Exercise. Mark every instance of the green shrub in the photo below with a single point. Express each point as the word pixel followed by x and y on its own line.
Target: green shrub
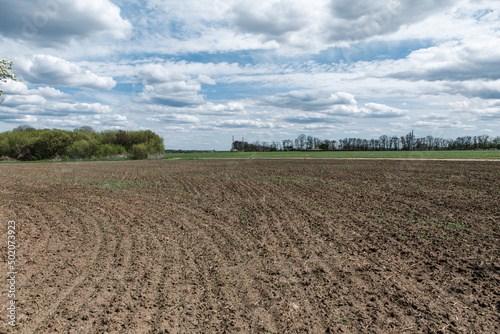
pixel 80 149
pixel 139 151
pixel 51 143
pixel 108 150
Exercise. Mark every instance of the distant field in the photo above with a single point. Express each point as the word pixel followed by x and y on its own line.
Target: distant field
pixel 490 154
pixel 486 154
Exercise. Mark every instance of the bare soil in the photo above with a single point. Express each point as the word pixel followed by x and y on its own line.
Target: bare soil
pixel 254 246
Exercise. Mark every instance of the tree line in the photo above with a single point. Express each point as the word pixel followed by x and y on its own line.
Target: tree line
pixel 384 143
pixel 26 143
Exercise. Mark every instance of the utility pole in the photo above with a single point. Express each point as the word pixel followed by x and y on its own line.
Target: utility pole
pixel 412 141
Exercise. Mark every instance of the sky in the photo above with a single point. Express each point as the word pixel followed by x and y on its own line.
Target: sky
pixel 199 72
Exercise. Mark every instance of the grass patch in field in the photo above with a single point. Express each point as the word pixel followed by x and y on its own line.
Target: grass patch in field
pixel 485 154
pixel 473 154
pixel 445 224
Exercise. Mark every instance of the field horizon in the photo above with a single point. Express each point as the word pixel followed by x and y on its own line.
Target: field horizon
pixel 452 154
pixel 486 155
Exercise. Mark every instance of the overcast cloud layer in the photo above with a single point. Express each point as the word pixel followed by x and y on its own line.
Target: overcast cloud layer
pixel 201 71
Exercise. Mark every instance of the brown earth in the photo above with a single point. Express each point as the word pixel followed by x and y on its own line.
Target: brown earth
pixel 253 246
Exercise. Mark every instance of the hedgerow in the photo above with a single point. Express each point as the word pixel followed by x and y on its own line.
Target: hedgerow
pixel 27 143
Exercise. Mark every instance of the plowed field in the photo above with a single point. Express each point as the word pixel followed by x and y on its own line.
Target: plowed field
pixel 253 246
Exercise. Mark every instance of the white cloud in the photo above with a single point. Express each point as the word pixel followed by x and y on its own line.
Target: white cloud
pixel 15 100
pixel 19 88
pixel 231 108
pixel 243 123
pixel 15 87
pixel 476 88
pixel 381 110
pixel 21 119
pixel 175 94
pixel 205 79
pixel 80 108
pixel 454 61
pixel 272 19
pixel 307 118
pixel 51 93
pixel 50 70
pixel 156 73
pixel 444 125
pixel 175 119
pixel 355 20
pixel 288 26
pixel 309 100
pixel 54 23
pixel 490 113
pixel 168 87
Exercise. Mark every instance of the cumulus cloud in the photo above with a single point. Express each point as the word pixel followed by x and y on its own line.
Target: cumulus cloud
pixel 54 23
pixel 50 70
pixel 476 88
pixel 244 123
pixel 51 93
pixel 307 118
pixel 156 73
pixel 165 87
pixel 381 110
pixel 16 100
pixel 319 106
pixel 273 19
pixel 175 94
pixel 288 26
pixel 444 125
pixel 489 113
pixel 319 24
pixel 175 119
pixel 452 61
pixel 14 87
pixel 20 88
pixel 110 122
pixel 78 108
pixel 10 118
pixel 309 100
pixel 219 109
pixel 355 20
pixel 23 105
